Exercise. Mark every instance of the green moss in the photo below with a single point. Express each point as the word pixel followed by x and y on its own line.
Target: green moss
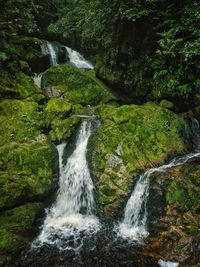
pixel 185 191
pixel 131 138
pixel 63 129
pixel 14 224
pixel 20 86
pixel 166 104
pixel 175 193
pixel 58 105
pixel 77 86
pixel 19 120
pixel 26 171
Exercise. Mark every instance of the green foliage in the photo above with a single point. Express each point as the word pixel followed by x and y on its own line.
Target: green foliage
pixel 16 21
pixel 152 47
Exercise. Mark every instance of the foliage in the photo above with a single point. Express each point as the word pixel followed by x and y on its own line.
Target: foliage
pixel 153 46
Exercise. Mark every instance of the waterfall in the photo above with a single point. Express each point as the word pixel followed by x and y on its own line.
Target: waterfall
pixel 38 79
pixel 168 263
pixel 73 211
pixel 53 54
pixel 134 224
pixel 77 60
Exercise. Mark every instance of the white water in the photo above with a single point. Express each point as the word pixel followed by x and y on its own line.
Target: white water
pixel 38 79
pixel 53 54
pixel 134 224
pixel 168 263
pixel 73 212
pixel 78 60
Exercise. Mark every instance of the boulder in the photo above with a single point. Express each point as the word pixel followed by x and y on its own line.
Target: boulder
pixel 77 86
pixel 176 229
pixel 130 138
pixel 28 163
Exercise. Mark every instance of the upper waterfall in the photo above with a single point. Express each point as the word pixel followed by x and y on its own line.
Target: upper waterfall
pixel 78 60
pixel 73 211
pixel 53 54
pixel 68 55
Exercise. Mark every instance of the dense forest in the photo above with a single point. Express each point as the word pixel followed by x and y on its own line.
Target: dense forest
pixel 147 49
pixel 144 88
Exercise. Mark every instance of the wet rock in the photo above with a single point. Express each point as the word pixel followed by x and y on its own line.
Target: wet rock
pixel 131 138
pixel 176 230
pixel 28 165
pixel 77 86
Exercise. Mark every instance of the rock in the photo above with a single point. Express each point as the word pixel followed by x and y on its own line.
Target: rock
pixel 177 228
pixel 130 138
pixel 15 225
pixel 26 172
pixel 28 163
pixel 62 130
pixel 77 86
pixel 19 86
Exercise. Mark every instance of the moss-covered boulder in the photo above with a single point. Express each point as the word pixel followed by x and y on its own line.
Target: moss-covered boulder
pixel 19 86
pixel 26 155
pixel 28 162
pixel 20 121
pixel 130 139
pixel 26 172
pixel 177 231
pixel 77 86
pixel 15 228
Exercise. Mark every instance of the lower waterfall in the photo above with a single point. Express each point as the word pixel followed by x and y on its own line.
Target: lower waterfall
pixel 134 225
pixel 72 214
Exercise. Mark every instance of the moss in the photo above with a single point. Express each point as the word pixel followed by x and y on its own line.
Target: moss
pixel 185 191
pixel 131 138
pixel 58 105
pixel 21 86
pixel 166 104
pixel 111 76
pixel 26 171
pixel 63 129
pixel 14 224
pixel 77 86
pixel 19 120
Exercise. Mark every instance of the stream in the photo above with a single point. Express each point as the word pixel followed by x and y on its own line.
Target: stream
pixel 72 234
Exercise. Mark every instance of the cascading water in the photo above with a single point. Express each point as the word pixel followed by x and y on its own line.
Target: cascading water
pixel 134 224
pixel 77 60
pixel 53 54
pixel 72 214
pixel 38 79
pixel 168 263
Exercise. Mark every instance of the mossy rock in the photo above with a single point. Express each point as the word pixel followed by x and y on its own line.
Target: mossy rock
pixel 77 86
pixel 166 104
pixel 26 172
pixel 177 228
pixel 56 109
pixel 59 106
pixel 19 86
pixel 15 225
pixel 20 121
pixel 62 130
pixel 131 138
pixel 185 189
